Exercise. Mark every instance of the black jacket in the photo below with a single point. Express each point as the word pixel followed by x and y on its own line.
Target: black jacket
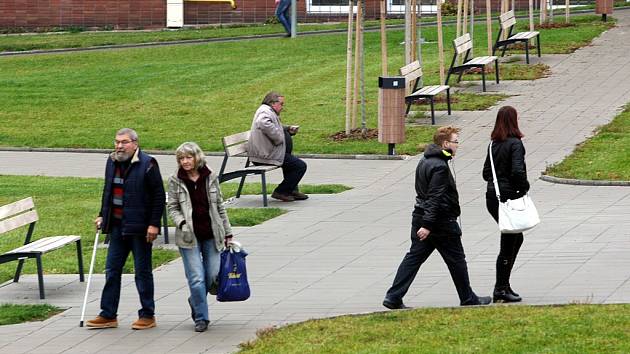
pixel 143 196
pixel 437 200
pixel 509 163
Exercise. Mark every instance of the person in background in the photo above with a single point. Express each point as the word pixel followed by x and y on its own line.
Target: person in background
pixel 195 205
pixel 434 223
pixel 271 143
pixel 282 13
pixel 508 154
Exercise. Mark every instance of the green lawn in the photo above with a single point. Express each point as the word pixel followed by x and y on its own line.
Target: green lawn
pixel 204 92
pixel 494 329
pixel 606 156
pixel 11 314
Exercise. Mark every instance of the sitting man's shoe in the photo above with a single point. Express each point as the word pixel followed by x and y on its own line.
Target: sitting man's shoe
pixel 481 300
pixel 297 195
pixel 505 295
pixel 394 305
pixel 283 197
pixel 144 323
pixel 102 322
pixel 201 326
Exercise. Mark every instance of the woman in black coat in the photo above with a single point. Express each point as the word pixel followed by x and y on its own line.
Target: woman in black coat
pixel 508 154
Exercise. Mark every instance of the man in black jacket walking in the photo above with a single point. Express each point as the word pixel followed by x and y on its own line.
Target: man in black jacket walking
pixel 434 223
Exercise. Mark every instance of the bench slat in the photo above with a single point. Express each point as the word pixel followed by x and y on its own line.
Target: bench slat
pixel 411 71
pixel 524 35
pixel 16 207
pixel 481 60
pixel 507 20
pixel 430 90
pixel 46 244
pixel 18 221
pixel 464 47
pixel 236 149
pixel 260 168
pixel 236 138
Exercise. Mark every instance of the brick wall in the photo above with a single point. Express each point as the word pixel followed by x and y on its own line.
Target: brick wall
pixel 82 13
pixel 152 13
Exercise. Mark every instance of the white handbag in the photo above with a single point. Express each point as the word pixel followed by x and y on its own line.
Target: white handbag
pixel 515 215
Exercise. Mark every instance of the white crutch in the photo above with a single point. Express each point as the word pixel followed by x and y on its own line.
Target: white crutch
pixel 87 287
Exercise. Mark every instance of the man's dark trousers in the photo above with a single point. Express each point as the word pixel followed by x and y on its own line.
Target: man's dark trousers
pixel 450 247
pixel 117 253
pixel 293 169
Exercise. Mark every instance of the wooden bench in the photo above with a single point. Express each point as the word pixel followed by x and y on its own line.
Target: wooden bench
pixel 507 22
pixel 21 213
pixel 236 145
pixel 463 44
pixel 413 71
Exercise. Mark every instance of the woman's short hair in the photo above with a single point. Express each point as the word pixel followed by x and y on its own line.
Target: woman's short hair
pixel 271 98
pixel 506 125
pixel 444 134
pixel 190 148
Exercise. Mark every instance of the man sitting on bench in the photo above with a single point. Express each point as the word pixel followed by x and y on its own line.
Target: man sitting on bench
pixel 271 143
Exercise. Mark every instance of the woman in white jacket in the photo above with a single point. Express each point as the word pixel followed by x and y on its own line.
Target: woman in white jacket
pixel 203 229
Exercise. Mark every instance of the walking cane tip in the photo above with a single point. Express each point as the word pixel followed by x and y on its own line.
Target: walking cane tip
pixel 81 324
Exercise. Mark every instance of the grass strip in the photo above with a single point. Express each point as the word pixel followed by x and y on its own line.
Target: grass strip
pixel 12 313
pixel 494 329
pixel 605 156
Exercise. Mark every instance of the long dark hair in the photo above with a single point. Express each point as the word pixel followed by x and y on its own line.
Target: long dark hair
pixel 506 125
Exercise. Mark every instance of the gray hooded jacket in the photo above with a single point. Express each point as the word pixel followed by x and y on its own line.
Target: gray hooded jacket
pixel 266 143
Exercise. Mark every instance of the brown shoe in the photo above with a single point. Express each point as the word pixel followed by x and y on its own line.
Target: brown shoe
pixel 144 323
pixel 102 322
pixel 283 197
pixel 297 195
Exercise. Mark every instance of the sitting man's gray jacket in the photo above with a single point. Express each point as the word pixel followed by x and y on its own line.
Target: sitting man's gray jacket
pixel 266 140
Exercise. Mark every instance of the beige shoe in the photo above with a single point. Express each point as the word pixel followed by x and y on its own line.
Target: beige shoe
pixel 144 323
pixel 102 322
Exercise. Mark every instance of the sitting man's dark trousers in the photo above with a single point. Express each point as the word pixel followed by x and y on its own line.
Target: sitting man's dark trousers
pixel 449 244
pixel 293 168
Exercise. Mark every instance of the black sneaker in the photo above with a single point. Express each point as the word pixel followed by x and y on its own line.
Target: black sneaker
pixel 201 326
pixel 481 300
pixel 394 305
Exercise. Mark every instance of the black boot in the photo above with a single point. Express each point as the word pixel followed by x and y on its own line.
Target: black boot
pixel 504 295
pixel 509 289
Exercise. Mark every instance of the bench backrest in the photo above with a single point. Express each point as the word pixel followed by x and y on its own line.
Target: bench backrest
pixel 411 71
pixel 507 20
pixel 18 214
pixel 462 44
pixel 236 144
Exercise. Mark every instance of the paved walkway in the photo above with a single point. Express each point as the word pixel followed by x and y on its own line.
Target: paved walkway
pixel 337 254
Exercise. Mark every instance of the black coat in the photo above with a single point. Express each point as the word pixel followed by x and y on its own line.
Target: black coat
pixel 437 200
pixel 143 196
pixel 509 163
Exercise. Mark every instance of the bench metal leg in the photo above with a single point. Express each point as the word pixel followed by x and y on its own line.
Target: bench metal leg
pixel 448 76
pixel 18 271
pixel 408 108
pixel 240 187
pixel 527 52
pixel 483 78
pixel 264 188
pixel 461 72
pixel 165 225
pixel 503 51
pixel 496 70
pixel 538 44
pixel 40 276
pixel 432 111
pixel 448 100
pixel 80 261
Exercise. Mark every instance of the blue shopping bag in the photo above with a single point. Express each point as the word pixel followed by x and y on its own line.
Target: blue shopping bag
pixel 233 285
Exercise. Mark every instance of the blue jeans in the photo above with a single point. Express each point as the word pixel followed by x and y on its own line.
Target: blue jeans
pixel 201 265
pixel 117 253
pixel 282 13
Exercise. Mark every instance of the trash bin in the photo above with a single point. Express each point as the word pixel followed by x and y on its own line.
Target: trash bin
pixel 604 7
pixel 391 111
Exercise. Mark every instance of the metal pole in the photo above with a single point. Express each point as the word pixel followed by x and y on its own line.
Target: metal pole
pixel 293 18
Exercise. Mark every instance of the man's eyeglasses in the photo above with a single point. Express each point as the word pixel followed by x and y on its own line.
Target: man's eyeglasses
pixel 453 141
pixel 123 142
